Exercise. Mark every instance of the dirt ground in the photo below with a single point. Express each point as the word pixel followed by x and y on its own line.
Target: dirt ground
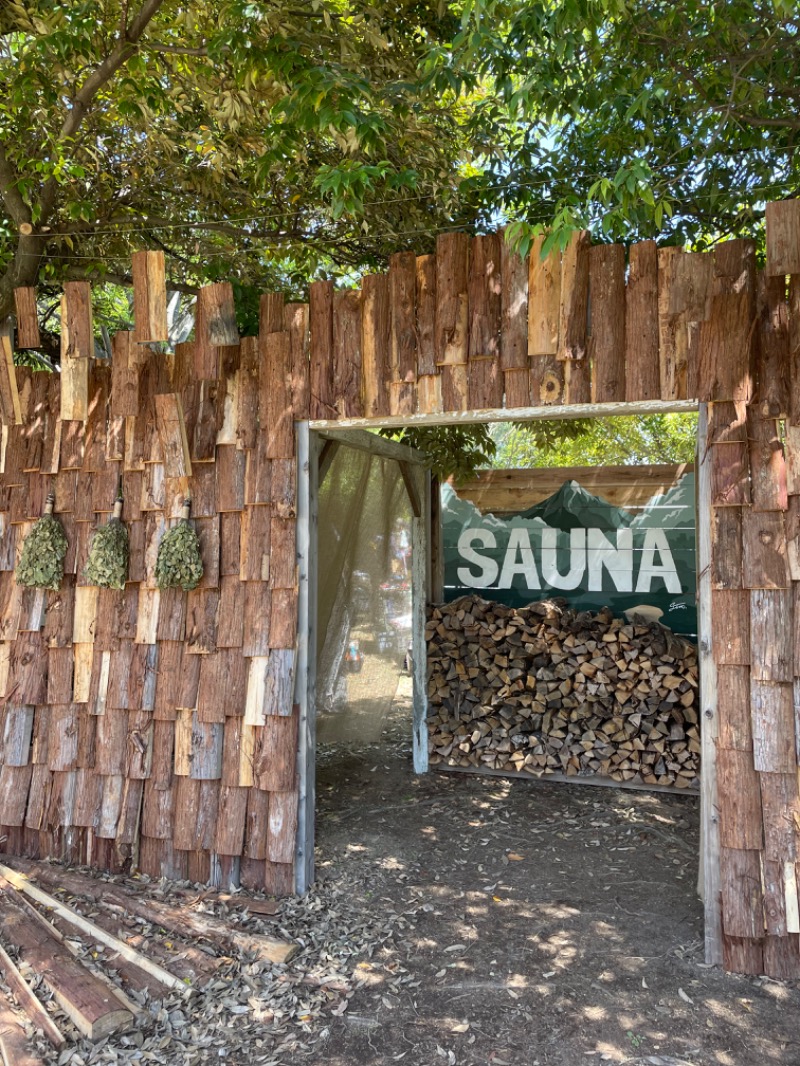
pixel 535 924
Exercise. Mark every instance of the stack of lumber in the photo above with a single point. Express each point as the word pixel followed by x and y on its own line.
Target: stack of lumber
pixel 546 690
pixel 50 947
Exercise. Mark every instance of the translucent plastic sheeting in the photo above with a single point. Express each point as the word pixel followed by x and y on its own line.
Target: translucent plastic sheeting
pixel 364 595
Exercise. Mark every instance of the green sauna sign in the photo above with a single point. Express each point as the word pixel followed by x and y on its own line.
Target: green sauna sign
pixel 580 547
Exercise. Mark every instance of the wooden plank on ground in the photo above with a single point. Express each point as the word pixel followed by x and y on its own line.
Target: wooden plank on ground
pixel 88 1001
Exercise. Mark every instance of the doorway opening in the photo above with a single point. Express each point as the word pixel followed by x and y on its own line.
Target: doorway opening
pixel 428 563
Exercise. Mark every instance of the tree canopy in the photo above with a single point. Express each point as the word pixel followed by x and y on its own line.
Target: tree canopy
pixel 254 139
pixel 637 118
pixel 621 440
pixel 267 141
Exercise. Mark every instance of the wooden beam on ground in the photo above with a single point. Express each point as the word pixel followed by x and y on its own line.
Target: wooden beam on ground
pixel 28 1001
pixel 22 884
pixel 91 1006
pixel 175 918
pixel 14 1047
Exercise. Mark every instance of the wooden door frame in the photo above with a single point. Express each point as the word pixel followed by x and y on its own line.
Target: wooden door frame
pixel 311 449
pixel 311 440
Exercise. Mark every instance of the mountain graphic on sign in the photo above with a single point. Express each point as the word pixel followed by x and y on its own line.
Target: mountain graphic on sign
pixel 673 509
pixel 573 507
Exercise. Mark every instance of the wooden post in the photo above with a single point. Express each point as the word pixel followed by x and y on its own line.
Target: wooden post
pixel 709 873
pixel 419 661
pixel 309 447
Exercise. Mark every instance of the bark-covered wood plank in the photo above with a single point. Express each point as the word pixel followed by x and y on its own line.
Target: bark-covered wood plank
pixel 321 349
pixel 607 344
pixel 149 297
pixel 376 334
pixel 402 286
pixel 426 314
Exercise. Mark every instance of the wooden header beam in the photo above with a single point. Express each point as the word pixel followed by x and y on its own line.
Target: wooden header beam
pixel 517 414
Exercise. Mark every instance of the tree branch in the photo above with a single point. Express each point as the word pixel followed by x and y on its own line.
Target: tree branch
pixel 123 280
pixel 175 50
pixel 12 197
pixel 126 47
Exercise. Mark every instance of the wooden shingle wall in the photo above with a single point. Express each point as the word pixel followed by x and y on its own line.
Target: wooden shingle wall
pixel 158 725
pixel 164 721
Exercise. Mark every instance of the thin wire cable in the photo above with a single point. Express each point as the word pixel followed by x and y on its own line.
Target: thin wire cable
pixel 145 227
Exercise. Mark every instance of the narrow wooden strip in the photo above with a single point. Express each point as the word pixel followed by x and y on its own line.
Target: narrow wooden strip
pixel 484 296
pixel 28 1001
pixel 375 344
pixel 452 323
pixel 642 373
pixel 86 999
pixel 149 297
pixel 402 286
pixel 321 349
pixel 783 238
pixel 426 314
pixel 607 343
pixel 347 353
pixel 28 335
pixel 574 298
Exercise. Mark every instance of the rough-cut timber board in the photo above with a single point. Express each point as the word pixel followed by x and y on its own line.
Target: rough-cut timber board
pixel 89 1003
pixel 594 780
pixel 14 1049
pixel 517 414
pixel 515 490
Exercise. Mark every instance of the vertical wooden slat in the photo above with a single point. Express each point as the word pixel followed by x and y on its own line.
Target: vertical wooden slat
pixel 77 345
pixel 642 372
pixel 607 343
pixel 574 302
pixel 772 360
pixel 452 321
pixel 321 349
pixel 725 349
pixel 402 285
pixel 376 325
pixel 544 301
pixel 347 354
pixel 27 317
pixel 514 309
pixel 149 297
pixel 296 324
pixel 783 238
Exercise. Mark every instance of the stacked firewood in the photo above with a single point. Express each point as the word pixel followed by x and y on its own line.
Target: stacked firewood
pixel 543 689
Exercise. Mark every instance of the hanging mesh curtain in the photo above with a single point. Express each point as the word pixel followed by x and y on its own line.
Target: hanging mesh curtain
pixel 364 595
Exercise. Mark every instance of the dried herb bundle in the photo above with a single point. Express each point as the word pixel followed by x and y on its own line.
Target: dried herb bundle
pixel 109 552
pixel 41 564
pixel 179 565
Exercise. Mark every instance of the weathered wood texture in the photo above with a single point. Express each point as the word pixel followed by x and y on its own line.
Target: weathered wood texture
pixel 121 711
pixel 114 725
pixel 632 487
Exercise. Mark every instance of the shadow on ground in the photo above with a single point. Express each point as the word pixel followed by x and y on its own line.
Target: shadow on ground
pixel 533 924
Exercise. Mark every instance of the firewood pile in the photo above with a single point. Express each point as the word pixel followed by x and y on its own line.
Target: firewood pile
pixel 545 690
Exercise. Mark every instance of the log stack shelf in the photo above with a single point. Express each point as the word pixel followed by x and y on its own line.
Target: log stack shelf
pixel 544 691
pixel 174 727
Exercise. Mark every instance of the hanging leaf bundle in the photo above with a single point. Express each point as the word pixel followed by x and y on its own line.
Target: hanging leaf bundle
pixel 109 552
pixel 41 563
pixel 179 565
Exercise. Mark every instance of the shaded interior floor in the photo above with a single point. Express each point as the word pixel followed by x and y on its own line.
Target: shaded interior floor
pixel 531 923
